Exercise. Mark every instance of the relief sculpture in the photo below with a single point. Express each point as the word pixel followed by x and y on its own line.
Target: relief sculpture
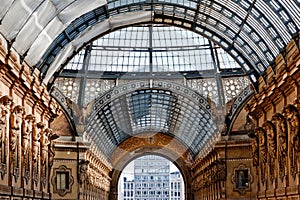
pixel 291 114
pixel 272 148
pixel 38 128
pixel 83 168
pixel 27 131
pixel 15 134
pixel 5 103
pixel 255 151
pixel 52 136
pixel 281 123
pixel 263 152
pixel 44 141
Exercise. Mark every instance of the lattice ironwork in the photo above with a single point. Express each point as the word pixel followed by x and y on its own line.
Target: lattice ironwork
pixel 206 87
pixel 69 87
pixel 153 49
pixel 253 32
pixel 247 29
pixel 234 86
pixel 97 87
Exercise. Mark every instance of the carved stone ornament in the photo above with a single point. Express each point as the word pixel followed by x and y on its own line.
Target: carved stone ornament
pixel 279 120
pixel 221 170
pixel 293 118
pixel 272 147
pixel 5 103
pixel 27 128
pixel 62 180
pixel 44 141
pixel 52 136
pixel 241 179
pixel 260 132
pixel 82 171
pixel 255 146
pixel 15 134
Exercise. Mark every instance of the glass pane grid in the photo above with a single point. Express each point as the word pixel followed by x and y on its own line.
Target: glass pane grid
pixel 156 49
pixel 226 61
pixel 77 62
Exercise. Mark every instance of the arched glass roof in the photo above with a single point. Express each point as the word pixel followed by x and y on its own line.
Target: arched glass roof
pixel 179 112
pixel 154 49
pixel 152 52
pixel 152 79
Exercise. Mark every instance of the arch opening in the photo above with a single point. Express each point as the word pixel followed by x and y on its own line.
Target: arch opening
pixel 151 177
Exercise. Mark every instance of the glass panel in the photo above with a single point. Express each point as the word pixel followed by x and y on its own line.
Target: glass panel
pixel 34 26
pixel 4 6
pixel 16 17
pixel 155 49
pixel 62 180
pixel 78 8
pixel 77 62
pixel 60 5
pixel 276 20
pixel 43 41
pixel 293 9
pixel 242 179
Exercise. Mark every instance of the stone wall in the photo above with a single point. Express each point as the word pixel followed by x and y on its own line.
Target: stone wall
pixel 86 173
pixel 26 140
pixel 217 176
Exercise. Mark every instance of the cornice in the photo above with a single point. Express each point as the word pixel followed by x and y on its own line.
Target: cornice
pixel 99 163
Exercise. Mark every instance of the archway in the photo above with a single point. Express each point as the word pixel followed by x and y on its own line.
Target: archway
pixel 151 177
pixel 161 145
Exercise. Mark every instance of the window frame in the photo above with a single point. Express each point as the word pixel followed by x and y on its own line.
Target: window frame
pixel 69 180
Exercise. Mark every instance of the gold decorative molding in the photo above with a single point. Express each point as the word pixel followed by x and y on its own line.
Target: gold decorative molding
pixel 146 143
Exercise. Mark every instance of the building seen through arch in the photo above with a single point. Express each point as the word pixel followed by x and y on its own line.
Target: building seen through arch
pixel 87 86
pixel 151 177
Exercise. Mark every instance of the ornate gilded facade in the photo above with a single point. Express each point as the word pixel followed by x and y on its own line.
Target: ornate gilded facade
pixel 275 140
pixel 26 136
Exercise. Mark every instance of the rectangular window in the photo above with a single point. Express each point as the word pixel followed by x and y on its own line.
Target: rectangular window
pixel 62 179
pixel 242 179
